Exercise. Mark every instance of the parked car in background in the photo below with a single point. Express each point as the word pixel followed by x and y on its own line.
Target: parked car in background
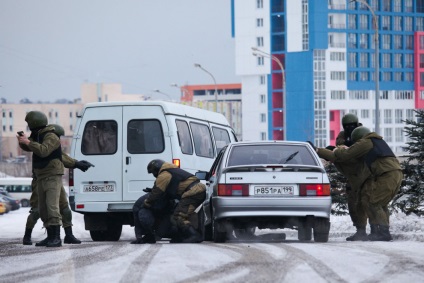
pixel 14 203
pixel 5 203
pixel 18 188
pixel 267 184
pixel 2 208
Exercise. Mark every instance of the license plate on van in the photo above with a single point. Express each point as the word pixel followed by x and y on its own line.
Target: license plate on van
pixel 99 188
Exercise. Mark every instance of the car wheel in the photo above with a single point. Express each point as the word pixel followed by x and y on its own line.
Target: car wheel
pixel 208 232
pixel 244 233
pixel 24 203
pixel 304 230
pixel 201 223
pixel 321 229
pixel 218 231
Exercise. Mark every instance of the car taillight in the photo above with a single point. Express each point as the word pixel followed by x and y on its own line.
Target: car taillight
pixel 176 162
pixel 233 190
pixel 71 177
pixel 314 190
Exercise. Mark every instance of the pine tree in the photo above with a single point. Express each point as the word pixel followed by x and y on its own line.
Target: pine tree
pixel 338 190
pixel 410 198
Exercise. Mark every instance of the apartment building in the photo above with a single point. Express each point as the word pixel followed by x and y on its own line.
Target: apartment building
pixel 316 60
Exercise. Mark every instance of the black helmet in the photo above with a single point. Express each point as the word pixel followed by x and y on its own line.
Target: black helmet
pixel 36 119
pixel 154 166
pixel 359 133
pixel 58 130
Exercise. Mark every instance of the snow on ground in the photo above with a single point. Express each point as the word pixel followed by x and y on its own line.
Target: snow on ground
pixel 411 228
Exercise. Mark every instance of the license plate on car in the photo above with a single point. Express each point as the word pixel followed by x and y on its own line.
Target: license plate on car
pixel 99 188
pixel 274 190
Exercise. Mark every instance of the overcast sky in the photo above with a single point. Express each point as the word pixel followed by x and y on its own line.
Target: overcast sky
pixel 48 48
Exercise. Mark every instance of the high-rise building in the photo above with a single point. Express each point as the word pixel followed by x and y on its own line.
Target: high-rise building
pixel 327 50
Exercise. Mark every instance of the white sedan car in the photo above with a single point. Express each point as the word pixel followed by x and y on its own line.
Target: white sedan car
pixel 267 185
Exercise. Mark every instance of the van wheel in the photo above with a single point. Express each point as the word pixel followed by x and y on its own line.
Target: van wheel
pixel 24 203
pixel 113 233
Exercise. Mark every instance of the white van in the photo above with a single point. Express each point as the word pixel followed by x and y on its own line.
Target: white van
pixel 120 139
pixel 18 188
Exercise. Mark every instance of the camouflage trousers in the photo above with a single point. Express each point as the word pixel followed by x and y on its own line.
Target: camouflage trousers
pixel 377 193
pixel 34 213
pixel 357 212
pixel 48 190
pixel 184 214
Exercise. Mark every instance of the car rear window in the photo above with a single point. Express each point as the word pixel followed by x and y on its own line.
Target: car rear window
pixel 271 154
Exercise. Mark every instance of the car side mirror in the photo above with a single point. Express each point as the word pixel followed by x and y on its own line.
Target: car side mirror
pixel 201 175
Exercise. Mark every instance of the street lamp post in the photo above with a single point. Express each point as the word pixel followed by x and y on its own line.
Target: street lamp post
pixel 377 63
pixel 214 81
pixel 167 95
pixel 257 52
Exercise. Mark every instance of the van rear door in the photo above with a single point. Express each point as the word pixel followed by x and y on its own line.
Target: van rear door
pixel 145 137
pixel 98 142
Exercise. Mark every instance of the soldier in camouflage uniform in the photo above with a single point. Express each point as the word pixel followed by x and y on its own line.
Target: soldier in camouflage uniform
pixel 65 211
pixel 383 183
pixel 174 183
pixel 48 169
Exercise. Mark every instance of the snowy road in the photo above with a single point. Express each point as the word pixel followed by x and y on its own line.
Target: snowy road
pixel 268 261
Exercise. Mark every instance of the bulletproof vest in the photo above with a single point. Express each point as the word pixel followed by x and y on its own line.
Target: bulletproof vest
pixel 178 175
pixel 348 140
pixel 39 162
pixel 379 149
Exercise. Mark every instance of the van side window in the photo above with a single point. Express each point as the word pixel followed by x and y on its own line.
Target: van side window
pixel 184 137
pixel 222 138
pixel 145 136
pixel 99 137
pixel 202 140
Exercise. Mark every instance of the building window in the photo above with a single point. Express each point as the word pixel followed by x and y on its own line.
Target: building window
pixel 387 76
pixel 397 76
pixel 388 135
pixel 263 136
pixel 363 41
pixel 410 114
pixel 398 116
pixel 408 5
pixel 397 23
pixel 409 76
pixel 409 61
pixel 352 60
pixel 397 41
pixel 338 76
pixel 259 4
pixel 385 23
pixel 421 38
pixel 365 113
pixel 363 60
pixel 386 60
pixel 408 23
pixel 419 23
pixel 352 40
pixel 338 94
pixel 397 5
pixel 260 41
pixel 262 80
pixel 351 21
pixel 337 56
pixel 352 76
pixel 259 22
pixel 409 42
pixel 386 6
pixel 399 134
pixel 403 95
pixel 262 98
pixel 387 116
pixel 363 22
pixel 260 60
pixel 70 114
pixel 263 117
pixel 363 76
pixel 385 41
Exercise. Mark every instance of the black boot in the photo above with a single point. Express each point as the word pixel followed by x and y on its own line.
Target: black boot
pixel 54 240
pixel 384 234
pixel 146 239
pixel 191 235
pixel 43 243
pixel 360 235
pixel 374 235
pixel 69 236
pixel 27 237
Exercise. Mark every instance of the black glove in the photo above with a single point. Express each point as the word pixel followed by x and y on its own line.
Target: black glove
pixel 313 146
pixel 147 190
pixel 83 165
pixel 330 147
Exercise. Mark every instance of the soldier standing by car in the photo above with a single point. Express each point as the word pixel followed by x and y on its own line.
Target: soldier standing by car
pixel 65 211
pixel 174 183
pixel 350 170
pixel 48 169
pixel 384 182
